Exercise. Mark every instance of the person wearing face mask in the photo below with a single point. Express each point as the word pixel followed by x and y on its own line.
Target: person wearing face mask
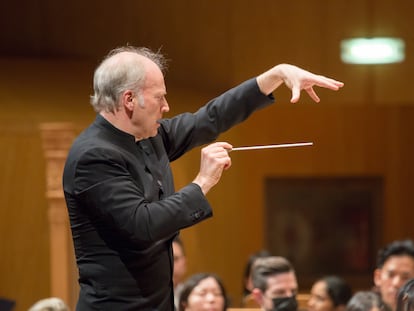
pixel 330 293
pixel 274 284
pixel 203 292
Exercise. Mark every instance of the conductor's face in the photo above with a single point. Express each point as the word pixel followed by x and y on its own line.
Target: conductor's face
pixel 151 103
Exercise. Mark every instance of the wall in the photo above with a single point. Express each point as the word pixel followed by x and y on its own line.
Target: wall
pixel 365 129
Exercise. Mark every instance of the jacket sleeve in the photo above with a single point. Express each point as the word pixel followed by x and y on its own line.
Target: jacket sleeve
pixel 189 130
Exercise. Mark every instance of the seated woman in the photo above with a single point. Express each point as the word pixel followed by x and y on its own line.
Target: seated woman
pixel 203 291
pixel 330 293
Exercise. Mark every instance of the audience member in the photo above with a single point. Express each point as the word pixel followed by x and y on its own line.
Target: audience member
pixel 49 304
pixel 247 299
pixel 203 291
pixel 274 284
pixel 365 301
pixel 395 265
pixel 180 267
pixel 330 293
pixel 405 298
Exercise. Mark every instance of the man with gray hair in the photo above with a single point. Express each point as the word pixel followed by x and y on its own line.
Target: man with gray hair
pixel 123 209
pixel 275 284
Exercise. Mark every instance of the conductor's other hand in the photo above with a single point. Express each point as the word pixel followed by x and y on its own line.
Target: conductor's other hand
pixel 296 79
pixel 214 159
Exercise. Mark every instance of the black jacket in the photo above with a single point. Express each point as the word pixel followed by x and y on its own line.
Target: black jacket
pixel 124 210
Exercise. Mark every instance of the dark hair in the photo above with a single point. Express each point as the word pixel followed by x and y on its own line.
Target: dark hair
pixel 395 248
pixel 193 281
pixel 268 266
pixel 364 301
pixel 405 298
pixel 337 289
pixel 248 268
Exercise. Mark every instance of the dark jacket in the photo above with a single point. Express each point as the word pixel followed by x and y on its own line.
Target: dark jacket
pixel 124 210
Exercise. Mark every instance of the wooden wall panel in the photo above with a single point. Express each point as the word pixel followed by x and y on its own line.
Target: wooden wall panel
pixel 56 141
pixel 24 248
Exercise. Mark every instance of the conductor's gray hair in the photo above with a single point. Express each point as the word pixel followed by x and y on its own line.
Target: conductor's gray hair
pixel 115 75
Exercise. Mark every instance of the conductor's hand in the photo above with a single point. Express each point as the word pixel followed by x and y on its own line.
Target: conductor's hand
pixel 296 79
pixel 214 159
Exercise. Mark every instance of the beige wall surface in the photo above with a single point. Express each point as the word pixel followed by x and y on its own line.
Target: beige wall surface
pixel 48 54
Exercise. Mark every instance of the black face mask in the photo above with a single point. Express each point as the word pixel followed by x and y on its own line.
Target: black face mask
pixel 285 304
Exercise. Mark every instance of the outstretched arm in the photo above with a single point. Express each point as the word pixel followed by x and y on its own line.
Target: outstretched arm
pixel 215 157
pixel 295 79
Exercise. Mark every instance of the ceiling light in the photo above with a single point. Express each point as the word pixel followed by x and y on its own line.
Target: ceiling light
pixel 381 50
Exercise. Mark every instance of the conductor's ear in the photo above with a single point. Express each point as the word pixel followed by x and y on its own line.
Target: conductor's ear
pixel 131 102
pixel 129 99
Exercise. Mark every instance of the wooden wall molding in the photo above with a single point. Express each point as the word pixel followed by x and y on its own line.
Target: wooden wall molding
pixel 56 141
